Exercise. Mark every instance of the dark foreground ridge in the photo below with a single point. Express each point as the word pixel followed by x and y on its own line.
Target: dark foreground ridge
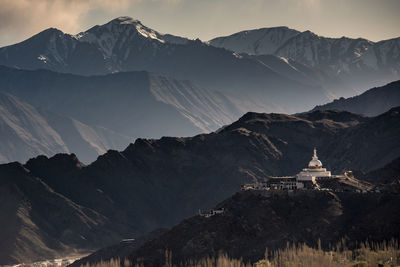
pixel 157 183
pixel 255 220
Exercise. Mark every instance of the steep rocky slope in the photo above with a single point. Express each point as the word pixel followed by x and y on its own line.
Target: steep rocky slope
pixel 156 183
pixel 198 237
pixel 255 221
pixel 38 223
pixel 387 175
pixel 138 104
pixel 24 132
pixel 370 103
pixel 27 132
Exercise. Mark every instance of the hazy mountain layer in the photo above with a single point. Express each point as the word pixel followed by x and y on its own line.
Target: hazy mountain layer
pixel 137 104
pixel 356 63
pixel 24 132
pixel 371 103
pixel 156 183
pixel 125 44
pixel 27 132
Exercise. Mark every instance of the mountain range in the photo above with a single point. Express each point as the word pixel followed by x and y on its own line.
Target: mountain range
pixel 355 63
pixel 272 64
pixel 124 44
pixel 128 130
pixel 156 183
pixel 73 113
pixel 141 83
pixel 133 103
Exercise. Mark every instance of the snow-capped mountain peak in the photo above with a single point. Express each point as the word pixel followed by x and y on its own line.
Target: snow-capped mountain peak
pixel 123 31
pixel 255 42
pixel 124 22
pixel 117 31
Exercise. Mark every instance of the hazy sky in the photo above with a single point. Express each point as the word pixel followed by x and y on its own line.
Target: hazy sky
pixel 204 19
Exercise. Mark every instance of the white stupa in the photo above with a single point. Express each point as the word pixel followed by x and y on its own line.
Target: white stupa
pixel 313 171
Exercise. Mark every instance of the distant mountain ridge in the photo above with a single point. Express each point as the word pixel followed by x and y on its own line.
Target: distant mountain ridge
pixel 52 49
pixel 309 68
pixel 124 44
pixel 373 102
pixel 26 132
pixel 359 63
pixel 263 41
pixel 137 104
pixel 311 49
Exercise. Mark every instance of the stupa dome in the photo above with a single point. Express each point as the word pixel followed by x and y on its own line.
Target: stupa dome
pixel 315 163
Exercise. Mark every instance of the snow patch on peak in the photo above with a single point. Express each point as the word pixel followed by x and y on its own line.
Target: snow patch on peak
pixel 117 31
pixel 124 32
pixel 126 20
pixel 148 33
pixel 42 58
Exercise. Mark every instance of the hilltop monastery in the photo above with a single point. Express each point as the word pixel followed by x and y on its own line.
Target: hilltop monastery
pixel 305 179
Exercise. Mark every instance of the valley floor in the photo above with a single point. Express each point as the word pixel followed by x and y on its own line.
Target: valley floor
pixel 60 262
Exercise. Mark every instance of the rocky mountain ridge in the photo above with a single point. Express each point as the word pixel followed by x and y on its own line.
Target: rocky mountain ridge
pixel 27 132
pixel 157 183
pixel 137 104
pixel 372 102
pixel 125 44
pixel 255 221
pixel 356 63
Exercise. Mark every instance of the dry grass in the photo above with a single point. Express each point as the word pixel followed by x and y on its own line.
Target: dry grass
pixel 221 261
pixel 383 254
pixel 111 263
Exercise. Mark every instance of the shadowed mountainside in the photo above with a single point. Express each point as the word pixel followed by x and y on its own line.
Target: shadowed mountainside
pixel 137 104
pixel 26 132
pixel 254 221
pixel 259 220
pixel 39 223
pixel 373 102
pixel 156 183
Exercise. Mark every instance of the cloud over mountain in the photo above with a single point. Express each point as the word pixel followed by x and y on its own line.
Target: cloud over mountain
pixel 19 19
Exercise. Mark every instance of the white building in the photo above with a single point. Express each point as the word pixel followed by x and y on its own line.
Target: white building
pixel 313 171
pixel 305 179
